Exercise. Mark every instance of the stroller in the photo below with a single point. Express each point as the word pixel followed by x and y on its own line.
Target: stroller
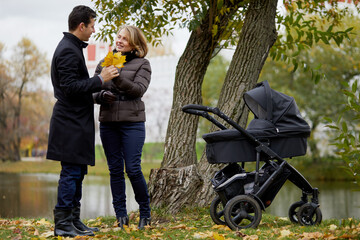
pixel 278 131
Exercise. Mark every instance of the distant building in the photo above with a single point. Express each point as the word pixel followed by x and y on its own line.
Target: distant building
pixel 158 98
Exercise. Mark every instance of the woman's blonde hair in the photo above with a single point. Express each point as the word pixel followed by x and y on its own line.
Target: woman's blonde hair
pixel 136 40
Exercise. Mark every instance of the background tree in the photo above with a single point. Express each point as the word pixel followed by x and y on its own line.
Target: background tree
pixel 27 65
pixel 340 63
pixel 5 89
pixel 347 140
pixel 249 25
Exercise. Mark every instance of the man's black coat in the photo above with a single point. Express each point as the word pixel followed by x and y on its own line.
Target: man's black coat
pixel 72 131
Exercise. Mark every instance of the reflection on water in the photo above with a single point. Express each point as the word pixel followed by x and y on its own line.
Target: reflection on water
pixel 34 196
pixel 337 199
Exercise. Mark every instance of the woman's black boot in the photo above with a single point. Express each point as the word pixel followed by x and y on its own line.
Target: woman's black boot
pixel 64 225
pixel 123 221
pixel 144 222
pixel 78 223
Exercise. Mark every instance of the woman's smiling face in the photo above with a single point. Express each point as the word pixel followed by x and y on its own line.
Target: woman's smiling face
pixel 122 41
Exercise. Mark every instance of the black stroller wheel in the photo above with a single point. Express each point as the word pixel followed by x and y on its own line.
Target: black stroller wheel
pixel 217 211
pixel 293 210
pixel 242 211
pixel 309 215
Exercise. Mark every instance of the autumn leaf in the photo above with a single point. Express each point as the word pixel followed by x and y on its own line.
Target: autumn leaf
pixel 221 227
pixel 217 236
pixel 285 233
pixel 43 222
pixel 108 60
pixel 180 226
pixel 332 227
pixel 313 235
pixel 115 59
pixel 251 237
pixel 119 60
pixel 47 234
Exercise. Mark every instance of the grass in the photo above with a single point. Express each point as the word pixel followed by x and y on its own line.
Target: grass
pixel 47 166
pixel 192 223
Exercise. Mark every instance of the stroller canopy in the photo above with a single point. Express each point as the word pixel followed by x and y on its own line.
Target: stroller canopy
pixel 277 109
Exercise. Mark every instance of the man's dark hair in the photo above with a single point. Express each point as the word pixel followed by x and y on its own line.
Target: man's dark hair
pixel 80 14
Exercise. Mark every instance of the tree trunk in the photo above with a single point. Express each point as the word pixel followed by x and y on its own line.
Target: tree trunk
pixel 180 143
pixel 179 153
pixel 172 185
pixel 257 37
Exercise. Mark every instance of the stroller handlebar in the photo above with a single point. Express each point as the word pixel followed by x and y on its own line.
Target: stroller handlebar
pixel 188 107
pixel 201 110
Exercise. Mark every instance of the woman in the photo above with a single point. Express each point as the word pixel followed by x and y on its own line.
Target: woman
pixel 122 123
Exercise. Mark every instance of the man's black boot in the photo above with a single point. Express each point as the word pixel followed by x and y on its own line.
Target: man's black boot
pixel 123 221
pixel 78 223
pixel 144 222
pixel 64 225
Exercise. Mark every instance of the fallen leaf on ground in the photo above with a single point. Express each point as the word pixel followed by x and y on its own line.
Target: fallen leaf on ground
pixel 221 227
pixel 285 233
pixel 43 222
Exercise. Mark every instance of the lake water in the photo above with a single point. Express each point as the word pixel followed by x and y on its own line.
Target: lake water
pixel 34 196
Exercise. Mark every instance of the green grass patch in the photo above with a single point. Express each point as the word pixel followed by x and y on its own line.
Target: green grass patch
pixel 190 223
pixel 48 166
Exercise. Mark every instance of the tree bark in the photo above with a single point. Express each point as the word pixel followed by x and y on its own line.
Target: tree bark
pixel 173 185
pixel 257 37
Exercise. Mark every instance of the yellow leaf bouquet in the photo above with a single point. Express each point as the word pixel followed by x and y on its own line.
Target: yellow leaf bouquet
pixel 115 59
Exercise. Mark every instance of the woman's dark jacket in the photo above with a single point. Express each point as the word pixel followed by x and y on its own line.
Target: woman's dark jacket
pixel 72 131
pixel 128 87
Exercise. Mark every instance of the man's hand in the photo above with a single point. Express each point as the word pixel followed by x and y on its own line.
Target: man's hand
pixel 108 73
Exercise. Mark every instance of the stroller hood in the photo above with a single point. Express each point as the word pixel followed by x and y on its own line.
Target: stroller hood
pixel 274 107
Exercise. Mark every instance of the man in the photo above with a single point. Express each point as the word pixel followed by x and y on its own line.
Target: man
pixel 72 131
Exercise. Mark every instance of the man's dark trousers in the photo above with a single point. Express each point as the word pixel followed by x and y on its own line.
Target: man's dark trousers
pixel 70 185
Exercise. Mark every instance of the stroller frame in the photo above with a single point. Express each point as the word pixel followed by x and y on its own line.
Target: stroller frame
pixel 244 210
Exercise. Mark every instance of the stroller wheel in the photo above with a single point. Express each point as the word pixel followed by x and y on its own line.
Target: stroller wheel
pixel 242 211
pixel 293 210
pixel 217 211
pixel 309 215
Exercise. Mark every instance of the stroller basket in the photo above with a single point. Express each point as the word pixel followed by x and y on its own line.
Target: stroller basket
pixel 228 183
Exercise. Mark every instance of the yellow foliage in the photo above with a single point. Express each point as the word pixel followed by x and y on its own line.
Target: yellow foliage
pixel 43 221
pixel 115 59
pixel 221 227
pixel 285 233
pixel 208 235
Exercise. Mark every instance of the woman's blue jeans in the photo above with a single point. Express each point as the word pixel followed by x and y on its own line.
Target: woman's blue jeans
pixel 123 143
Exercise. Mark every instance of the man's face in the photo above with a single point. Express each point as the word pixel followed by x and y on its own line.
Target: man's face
pixel 87 31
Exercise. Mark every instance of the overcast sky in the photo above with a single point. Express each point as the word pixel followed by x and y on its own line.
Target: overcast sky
pixel 43 22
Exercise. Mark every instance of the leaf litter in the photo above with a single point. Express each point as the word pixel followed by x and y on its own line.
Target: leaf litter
pixel 185 227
